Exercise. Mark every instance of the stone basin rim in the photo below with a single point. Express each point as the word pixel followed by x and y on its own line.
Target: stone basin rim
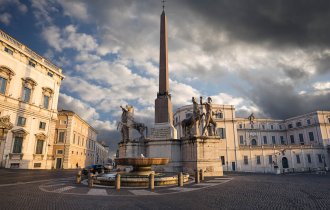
pixel 142 161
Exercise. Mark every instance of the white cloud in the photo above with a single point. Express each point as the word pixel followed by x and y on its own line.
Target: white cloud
pixel 75 9
pixel 321 85
pixel 5 18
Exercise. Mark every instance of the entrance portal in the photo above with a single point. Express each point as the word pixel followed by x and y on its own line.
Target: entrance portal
pixel 285 162
pixel 58 163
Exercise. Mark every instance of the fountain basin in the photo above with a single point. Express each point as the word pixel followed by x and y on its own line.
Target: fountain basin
pixel 141 165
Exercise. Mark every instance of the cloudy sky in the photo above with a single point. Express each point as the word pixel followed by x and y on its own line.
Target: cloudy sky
pixel 268 57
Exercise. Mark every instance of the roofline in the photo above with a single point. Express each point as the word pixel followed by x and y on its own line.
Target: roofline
pixel 72 113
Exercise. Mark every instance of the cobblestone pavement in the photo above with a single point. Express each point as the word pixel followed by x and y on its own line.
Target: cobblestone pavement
pixel 244 191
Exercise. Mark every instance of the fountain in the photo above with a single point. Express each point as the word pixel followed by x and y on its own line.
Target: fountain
pixel 142 165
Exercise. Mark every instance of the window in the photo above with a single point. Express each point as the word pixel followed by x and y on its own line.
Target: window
pixel 219 115
pixel 9 51
pixel 253 142
pixel 273 140
pixel 252 126
pixel 74 138
pixel 292 139
pixel 282 140
pixel 309 159
pixel 18 141
pixel 188 115
pixel 280 126
pixel 59 152
pixel 37 165
pixel 298 124
pixel 26 94
pixel 272 127
pixel 290 126
pixel 61 135
pixel 270 159
pixel 258 160
pixel 298 159
pixel 301 138
pixel 40 145
pixel 241 126
pixel 246 160
pixel 63 122
pixel 320 158
pixel 308 121
pixel 311 136
pixel 21 121
pixel 265 139
pixel 50 74
pixel 46 101
pixel 263 126
pixel 42 125
pixel 32 63
pixel 3 85
pixel 222 133
pixel 78 140
pixel 223 160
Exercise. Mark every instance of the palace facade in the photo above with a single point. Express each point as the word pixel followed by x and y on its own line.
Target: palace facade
pixel 300 143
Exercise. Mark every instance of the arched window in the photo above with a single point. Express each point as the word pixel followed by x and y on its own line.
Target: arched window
pixel 254 142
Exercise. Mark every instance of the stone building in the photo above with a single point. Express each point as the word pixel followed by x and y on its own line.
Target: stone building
pixel 102 153
pixel 299 143
pixel 29 90
pixel 75 142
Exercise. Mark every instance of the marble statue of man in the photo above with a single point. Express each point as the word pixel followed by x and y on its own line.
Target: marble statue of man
pixel 208 116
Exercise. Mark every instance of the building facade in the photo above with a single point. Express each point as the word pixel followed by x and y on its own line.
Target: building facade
pixel 300 143
pixel 29 91
pixel 75 142
pixel 102 153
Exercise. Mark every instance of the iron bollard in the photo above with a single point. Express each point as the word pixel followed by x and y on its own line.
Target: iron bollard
pixel 78 177
pixel 180 179
pixel 201 174
pixel 90 180
pixel 197 177
pixel 152 182
pixel 117 182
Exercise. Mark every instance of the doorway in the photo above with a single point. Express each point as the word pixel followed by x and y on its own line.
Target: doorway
pixel 285 163
pixel 233 166
pixel 58 163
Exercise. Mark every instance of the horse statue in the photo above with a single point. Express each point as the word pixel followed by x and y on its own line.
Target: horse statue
pixel 194 120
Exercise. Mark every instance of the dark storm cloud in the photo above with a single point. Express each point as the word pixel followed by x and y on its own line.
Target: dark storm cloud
pixel 281 22
pixel 281 101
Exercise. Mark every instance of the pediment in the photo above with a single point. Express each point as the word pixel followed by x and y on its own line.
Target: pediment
pixel 41 136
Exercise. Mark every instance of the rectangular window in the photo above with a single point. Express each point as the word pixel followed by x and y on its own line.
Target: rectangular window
pixel 42 125
pixel 272 127
pixel 282 140
pixel 18 145
pixel 46 101
pixel 309 159
pixel 21 121
pixel 320 158
pixel 26 94
pixel 219 115
pixel 61 135
pixel 301 138
pixel 32 63
pixel 50 74
pixel 3 84
pixel 270 159
pixel 74 138
pixel 241 140
pixel 308 121
pixel 78 140
pixel 222 133
pixel 246 160
pixel 258 160
pixel 298 124
pixel 280 126
pixel 290 126
pixel 298 159
pixel 273 140
pixel 241 126
pixel 40 146
pixel 9 51
pixel 265 139
pixel 37 165
pixel 292 139
pixel 263 126
pixel 223 160
pixel 59 152
pixel 311 136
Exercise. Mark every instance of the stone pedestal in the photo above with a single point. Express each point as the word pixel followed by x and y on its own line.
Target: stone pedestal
pixel 163 131
pixel 201 153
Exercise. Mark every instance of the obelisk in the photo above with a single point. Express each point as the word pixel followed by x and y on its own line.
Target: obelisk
pixel 163 103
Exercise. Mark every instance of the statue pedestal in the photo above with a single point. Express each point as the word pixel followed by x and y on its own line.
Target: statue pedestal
pixel 201 152
pixel 163 131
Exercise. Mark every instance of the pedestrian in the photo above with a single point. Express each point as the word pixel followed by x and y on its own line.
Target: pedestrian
pixel 77 165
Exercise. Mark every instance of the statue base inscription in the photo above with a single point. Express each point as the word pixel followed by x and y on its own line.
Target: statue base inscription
pixel 163 131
